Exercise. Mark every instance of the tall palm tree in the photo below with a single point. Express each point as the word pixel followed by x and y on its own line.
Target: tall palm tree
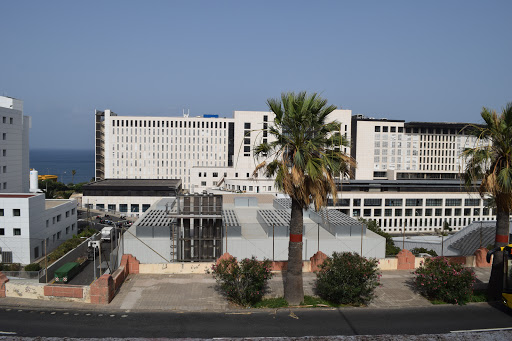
pixel 304 156
pixel 490 161
pixel 73 172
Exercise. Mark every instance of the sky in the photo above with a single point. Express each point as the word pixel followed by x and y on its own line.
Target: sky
pixel 436 61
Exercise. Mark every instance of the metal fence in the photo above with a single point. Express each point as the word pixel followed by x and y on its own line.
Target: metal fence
pixel 22 274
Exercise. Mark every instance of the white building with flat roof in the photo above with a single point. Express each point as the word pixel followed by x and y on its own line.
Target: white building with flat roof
pixel 14 152
pixel 204 151
pixel 29 224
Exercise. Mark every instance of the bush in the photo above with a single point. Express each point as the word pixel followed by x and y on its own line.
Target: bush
pixel 10 267
pixel 417 250
pixel 33 267
pixel 243 282
pixel 347 278
pixel 437 279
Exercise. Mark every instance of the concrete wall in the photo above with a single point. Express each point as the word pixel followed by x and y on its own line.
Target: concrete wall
pixel 41 291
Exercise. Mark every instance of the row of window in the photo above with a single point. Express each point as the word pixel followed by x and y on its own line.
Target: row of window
pixel 134 208
pixel 17 232
pixel 58 217
pixel 418 212
pixel 165 124
pixel 4 120
pixel 16 212
pixel 392 129
pixel 409 202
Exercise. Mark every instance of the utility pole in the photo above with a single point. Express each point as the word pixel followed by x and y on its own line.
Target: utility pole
pixel 100 255
pixel 45 261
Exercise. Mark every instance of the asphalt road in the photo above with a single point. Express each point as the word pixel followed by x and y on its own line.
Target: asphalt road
pixel 281 323
pixel 86 275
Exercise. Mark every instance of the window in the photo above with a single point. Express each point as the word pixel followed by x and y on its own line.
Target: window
pixel 398 212
pixel 58 235
pixel 215 174
pixel 453 202
pixel 59 217
pixel 11 120
pixel 471 202
pixel 467 211
pixel 408 212
pixel 434 202
pixel 439 212
pixel 377 212
pixel 372 202
pixel 16 232
pixel 67 214
pixel 388 212
pixel 47 222
pixel 67 230
pixel 458 212
pixel 73 211
pixel 16 212
pixel 1 212
pixel 134 208
pixel 4 152
pixel 356 202
pixel 418 212
pixel 367 212
pixel 356 212
pixel 428 212
pixel 2 232
pixel 385 129
pixel 393 202
pixel 447 211
pixel 377 129
pixel 413 202
pixel 123 208
pixel 203 183
pixel 4 136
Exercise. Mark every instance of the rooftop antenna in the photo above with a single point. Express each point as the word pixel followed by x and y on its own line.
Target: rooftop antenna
pixel 187 114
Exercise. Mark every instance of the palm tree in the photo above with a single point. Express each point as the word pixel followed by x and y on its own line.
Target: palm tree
pixel 304 155
pixel 73 172
pixel 490 161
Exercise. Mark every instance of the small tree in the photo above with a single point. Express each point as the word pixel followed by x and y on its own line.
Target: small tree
pixel 348 278
pixel 73 172
pixel 243 282
pixel 438 279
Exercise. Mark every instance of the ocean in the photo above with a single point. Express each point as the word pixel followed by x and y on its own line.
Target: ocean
pixel 61 162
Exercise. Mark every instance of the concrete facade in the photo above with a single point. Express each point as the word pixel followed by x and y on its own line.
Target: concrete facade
pixel 28 221
pixel 14 146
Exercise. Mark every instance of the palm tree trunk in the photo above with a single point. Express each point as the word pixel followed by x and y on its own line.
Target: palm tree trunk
pixel 502 232
pixel 293 287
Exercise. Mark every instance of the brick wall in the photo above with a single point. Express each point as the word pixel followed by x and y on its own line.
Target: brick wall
pixel 71 291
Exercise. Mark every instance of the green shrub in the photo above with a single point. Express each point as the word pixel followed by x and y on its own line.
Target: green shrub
pixel 373 225
pixel 439 280
pixel 33 267
pixel 243 282
pixel 10 267
pixel 347 278
pixel 417 250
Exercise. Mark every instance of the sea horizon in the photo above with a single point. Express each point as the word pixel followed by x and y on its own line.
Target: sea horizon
pixel 61 162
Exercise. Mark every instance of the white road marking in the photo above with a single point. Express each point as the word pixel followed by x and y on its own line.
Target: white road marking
pixel 480 330
pixel 7 333
pixel 124 315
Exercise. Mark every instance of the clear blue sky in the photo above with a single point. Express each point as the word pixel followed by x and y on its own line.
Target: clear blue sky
pixel 410 60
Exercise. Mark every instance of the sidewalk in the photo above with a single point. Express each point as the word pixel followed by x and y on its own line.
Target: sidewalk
pixel 196 292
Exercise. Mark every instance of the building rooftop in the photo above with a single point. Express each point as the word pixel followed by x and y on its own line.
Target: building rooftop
pixel 123 183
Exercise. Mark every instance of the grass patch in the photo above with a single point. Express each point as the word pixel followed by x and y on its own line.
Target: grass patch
pixel 280 302
pixel 477 297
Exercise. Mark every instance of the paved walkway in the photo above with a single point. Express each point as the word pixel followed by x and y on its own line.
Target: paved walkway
pixel 196 292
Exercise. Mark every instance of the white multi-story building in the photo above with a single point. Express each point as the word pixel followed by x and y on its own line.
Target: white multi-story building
pixel 29 224
pixel 14 153
pixel 392 149
pixel 204 152
pixel 394 161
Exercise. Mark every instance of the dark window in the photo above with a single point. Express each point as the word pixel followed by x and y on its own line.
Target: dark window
pixel 385 129
pixel 16 212
pixel 453 202
pixel 393 129
pixel 393 202
pixel 377 129
pixel 471 202
pixel 16 232
pixel 413 202
pixel 247 125
pixel 372 202
pixel 434 202
pixel 356 202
